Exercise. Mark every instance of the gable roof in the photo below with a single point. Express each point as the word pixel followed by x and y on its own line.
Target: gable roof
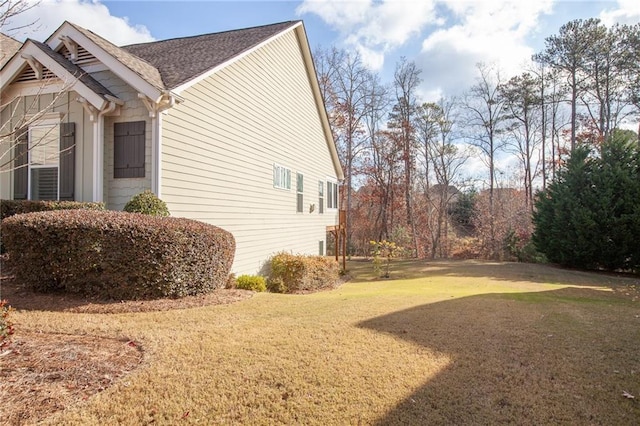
pixel 8 47
pixel 182 59
pixel 71 74
pixel 136 64
pixel 162 68
pixel 74 70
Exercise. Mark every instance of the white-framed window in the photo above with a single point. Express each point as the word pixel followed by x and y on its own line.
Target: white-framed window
pixel 281 177
pixel 332 195
pixel 320 197
pixel 44 160
pixel 299 193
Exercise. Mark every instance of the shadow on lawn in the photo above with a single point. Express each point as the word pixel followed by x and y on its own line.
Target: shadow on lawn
pixel 23 298
pixel 502 271
pixel 555 357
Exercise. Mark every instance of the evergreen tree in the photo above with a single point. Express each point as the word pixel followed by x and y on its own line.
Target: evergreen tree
pixel 589 217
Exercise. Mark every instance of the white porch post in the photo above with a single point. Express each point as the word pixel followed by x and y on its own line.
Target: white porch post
pixel 96 116
pixel 156 154
pixel 155 108
pixel 98 159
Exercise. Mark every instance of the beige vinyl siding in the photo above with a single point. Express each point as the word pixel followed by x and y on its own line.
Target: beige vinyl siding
pixel 220 145
pixel 72 112
pixel 117 192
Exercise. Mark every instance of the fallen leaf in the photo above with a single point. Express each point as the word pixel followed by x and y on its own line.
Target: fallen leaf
pixel 627 395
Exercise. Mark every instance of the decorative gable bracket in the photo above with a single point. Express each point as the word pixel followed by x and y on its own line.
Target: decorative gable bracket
pixel 111 109
pixel 165 101
pixel 71 46
pixel 34 64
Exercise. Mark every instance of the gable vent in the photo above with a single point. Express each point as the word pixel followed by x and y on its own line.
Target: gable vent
pixel 84 57
pixel 28 74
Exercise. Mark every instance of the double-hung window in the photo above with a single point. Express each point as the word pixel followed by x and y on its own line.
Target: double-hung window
pixel 281 177
pixel 44 161
pixel 332 195
pixel 299 192
pixel 320 197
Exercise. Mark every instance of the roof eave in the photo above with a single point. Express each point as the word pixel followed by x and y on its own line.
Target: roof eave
pixel 317 94
pixel 131 77
pixel 71 82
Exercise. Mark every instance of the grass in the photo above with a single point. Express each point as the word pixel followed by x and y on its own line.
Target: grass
pixel 439 343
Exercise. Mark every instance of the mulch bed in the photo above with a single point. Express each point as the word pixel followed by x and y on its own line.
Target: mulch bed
pixel 41 373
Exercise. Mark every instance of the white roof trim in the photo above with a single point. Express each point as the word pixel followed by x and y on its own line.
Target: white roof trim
pixel 178 90
pixel 315 87
pixel 121 70
pixel 69 81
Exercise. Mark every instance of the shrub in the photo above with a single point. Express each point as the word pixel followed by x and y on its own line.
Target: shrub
pixel 276 285
pixel 231 281
pixel 117 255
pixel 6 326
pixel 251 282
pixel 9 208
pixel 466 248
pixel 295 273
pixel 147 203
pixel 12 207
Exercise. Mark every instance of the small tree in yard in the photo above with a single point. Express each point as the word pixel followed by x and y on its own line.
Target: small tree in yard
pixel 383 253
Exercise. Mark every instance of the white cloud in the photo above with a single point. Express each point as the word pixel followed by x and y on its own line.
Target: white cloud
pixel 627 12
pixel 342 15
pixel 481 31
pixel 47 16
pixel 374 28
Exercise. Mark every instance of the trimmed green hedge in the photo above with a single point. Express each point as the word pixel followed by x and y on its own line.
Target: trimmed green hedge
pixel 117 255
pixel 147 203
pixel 290 273
pixel 9 208
pixel 251 282
pixel 12 207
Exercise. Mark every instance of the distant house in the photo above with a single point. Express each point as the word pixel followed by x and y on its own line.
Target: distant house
pixel 227 128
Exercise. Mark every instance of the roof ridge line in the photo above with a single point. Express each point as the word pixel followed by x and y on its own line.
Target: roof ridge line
pixel 213 33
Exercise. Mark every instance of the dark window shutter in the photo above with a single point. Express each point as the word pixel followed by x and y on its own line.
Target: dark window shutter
pixel 67 160
pixel 20 167
pixel 129 152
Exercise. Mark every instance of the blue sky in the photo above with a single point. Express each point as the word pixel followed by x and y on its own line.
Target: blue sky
pixel 446 38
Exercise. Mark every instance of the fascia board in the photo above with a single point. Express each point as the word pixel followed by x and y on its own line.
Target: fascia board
pixel 70 81
pixel 129 76
pixel 303 42
pixel 11 70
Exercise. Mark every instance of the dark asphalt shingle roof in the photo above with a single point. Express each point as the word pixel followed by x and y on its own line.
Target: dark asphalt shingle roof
pixel 144 69
pixel 182 59
pixel 74 70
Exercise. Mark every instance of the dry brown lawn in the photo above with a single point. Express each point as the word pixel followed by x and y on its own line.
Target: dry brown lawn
pixel 460 342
